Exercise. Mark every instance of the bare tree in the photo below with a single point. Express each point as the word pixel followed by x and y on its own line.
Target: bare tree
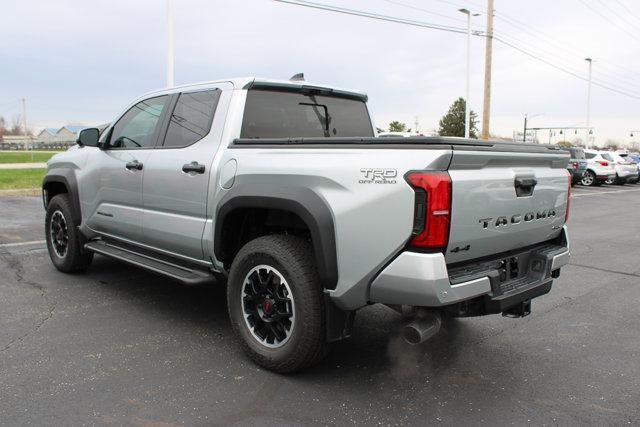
pixel 16 126
pixel 3 126
pixel 612 144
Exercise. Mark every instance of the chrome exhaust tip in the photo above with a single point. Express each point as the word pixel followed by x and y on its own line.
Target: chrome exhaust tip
pixel 423 327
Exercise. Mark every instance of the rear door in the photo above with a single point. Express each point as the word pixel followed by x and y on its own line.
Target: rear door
pixel 178 171
pixel 504 200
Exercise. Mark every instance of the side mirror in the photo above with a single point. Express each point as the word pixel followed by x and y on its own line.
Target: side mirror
pixel 88 137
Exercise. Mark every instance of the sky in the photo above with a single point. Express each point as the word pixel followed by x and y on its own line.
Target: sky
pixel 82 62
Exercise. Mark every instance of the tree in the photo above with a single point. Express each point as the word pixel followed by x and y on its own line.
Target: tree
pixel 578 142
pixel 566 144
pixel 612 144
pixel 452 123
pixel 396 126
pixel 3 126
pixel 16 126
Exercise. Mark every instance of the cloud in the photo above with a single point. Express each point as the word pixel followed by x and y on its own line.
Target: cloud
pixel 83 61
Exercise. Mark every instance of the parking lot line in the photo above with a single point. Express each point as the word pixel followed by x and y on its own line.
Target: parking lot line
pixel 604 192
pixel 32 242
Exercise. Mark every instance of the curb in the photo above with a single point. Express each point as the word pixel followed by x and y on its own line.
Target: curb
pixel 21 192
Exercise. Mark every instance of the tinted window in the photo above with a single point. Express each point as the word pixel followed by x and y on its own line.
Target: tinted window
pixel 137 127
pixel 191 118
pixel 278 114
pixel 577 153
pixel 607 156
pixel 589 155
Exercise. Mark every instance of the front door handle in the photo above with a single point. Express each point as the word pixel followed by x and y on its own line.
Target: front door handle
pixel 134 165
pixel 193 167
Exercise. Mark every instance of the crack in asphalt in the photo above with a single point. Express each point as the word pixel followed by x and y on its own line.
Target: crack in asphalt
pixel 566 301
pixel 606 270
pixel 15 264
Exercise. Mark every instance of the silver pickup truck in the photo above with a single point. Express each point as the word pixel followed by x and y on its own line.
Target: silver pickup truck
pixel 281 190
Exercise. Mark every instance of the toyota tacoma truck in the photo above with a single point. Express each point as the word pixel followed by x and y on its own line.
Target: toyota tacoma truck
pixel 281 191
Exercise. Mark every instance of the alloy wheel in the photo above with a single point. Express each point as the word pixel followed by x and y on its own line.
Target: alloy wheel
pixel 587 179
pixel 59 234
pixel 268 306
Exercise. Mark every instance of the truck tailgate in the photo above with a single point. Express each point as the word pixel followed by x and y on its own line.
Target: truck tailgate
pixel 505 199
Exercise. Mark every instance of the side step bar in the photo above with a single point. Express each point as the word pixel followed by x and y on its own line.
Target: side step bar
pixel 188 276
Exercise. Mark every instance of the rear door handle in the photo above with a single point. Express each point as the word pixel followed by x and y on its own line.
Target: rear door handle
pixel 134 165
pixel 193 167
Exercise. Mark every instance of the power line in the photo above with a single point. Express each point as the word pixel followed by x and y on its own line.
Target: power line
pixel 569 48
pixel 376 16
pixel 613 72
pixel 621 17
pixel 629 11
pixel 606 18
pixel 459 30
pixel 408 6
pixel 564 70
pixel 620 82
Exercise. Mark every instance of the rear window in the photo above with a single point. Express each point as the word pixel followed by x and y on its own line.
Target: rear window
pixel 280 114
pixel 607 156
pixel 577 153
pixel 590 155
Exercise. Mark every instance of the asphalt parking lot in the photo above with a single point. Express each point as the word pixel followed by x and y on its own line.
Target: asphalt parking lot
pixel 117 345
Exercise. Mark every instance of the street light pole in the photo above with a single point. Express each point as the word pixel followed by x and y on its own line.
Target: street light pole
pixel 467 111
pixel 169 44
pixel 524 134
pixel 590 62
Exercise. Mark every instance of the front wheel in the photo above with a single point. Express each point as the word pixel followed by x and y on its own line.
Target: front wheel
pixel 276 303
pixel 64 240
pixel 589 178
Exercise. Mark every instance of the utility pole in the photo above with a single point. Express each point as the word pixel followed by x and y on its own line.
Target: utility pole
pixel 416 123
pixel 169 44
pixel 24 125
pixel 24 116
pixel 524 134
pixel 467 115
pixel 486 105
pixel 590 62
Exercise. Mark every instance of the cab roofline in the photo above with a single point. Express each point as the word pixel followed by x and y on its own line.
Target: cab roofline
pixel 263 83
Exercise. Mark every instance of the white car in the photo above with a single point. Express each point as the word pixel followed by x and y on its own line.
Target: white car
pixel 626 169
pixel 600 168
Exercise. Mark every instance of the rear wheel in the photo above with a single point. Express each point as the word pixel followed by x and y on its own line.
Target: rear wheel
pixel 589 178
pixel 64 241
pixel 276 303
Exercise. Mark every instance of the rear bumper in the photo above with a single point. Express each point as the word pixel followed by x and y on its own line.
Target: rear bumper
pixel 419 279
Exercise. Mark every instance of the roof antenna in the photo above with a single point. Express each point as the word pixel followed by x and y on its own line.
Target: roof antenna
pixel 297 77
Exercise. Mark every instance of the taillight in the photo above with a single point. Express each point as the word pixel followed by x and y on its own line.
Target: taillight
pixel 603 163
pixel 576 165
pixel 566 215
pixel 432 214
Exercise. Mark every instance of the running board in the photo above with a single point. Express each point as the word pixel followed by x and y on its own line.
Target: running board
pixel 186 275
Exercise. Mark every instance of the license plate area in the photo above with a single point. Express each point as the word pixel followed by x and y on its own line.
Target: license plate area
pixel 512 272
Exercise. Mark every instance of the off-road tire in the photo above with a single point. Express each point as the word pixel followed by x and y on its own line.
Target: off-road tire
pixel 75 258
pixel 293 258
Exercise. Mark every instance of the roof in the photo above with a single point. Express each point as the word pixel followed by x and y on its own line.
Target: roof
pixel 73 129
pixel 248 82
